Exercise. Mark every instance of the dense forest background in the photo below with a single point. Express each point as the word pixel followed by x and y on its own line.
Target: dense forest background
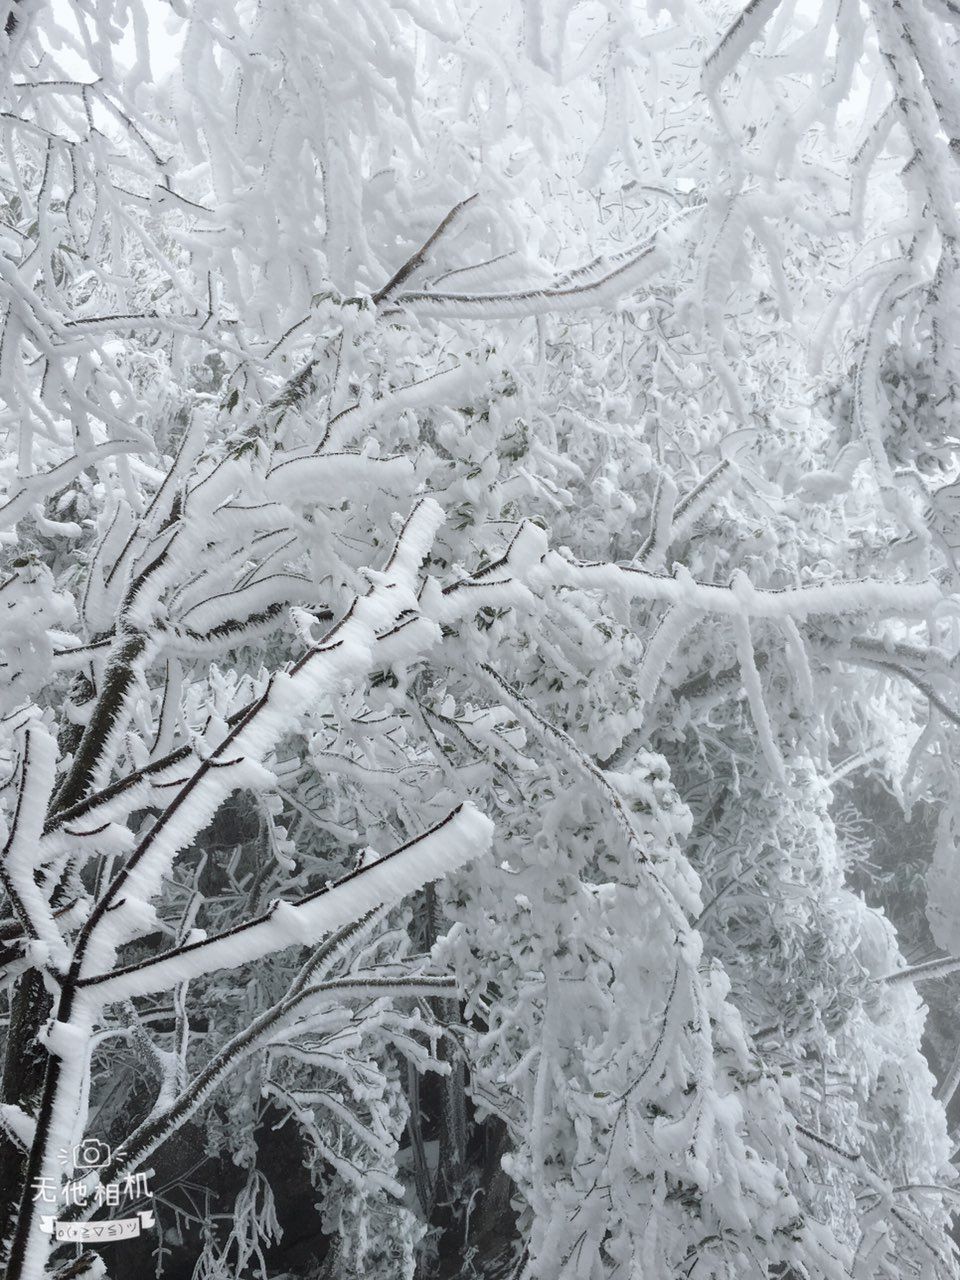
pixel 479 641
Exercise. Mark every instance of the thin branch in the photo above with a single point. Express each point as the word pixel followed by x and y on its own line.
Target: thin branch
pixel 418 259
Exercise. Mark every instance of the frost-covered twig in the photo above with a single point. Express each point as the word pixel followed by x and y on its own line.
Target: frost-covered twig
pixel 640 267
pixel 930 969
pixel 422 256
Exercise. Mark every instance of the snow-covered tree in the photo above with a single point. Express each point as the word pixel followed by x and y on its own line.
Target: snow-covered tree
pixel 506 446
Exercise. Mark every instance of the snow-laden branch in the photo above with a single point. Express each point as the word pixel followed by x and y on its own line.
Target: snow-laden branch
pixel 464 834
pixel 754 690
pixel 637 270
pixel 218 611
pixel 661 646
pixel 740 596
pixel 925 972
pixel 661 521
pixel 671 520
pixel 18 858
pixel 531 567
pixel 702 496
pixel 747 27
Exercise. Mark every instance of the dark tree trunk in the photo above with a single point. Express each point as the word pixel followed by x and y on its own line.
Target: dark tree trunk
pixel 23 1068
